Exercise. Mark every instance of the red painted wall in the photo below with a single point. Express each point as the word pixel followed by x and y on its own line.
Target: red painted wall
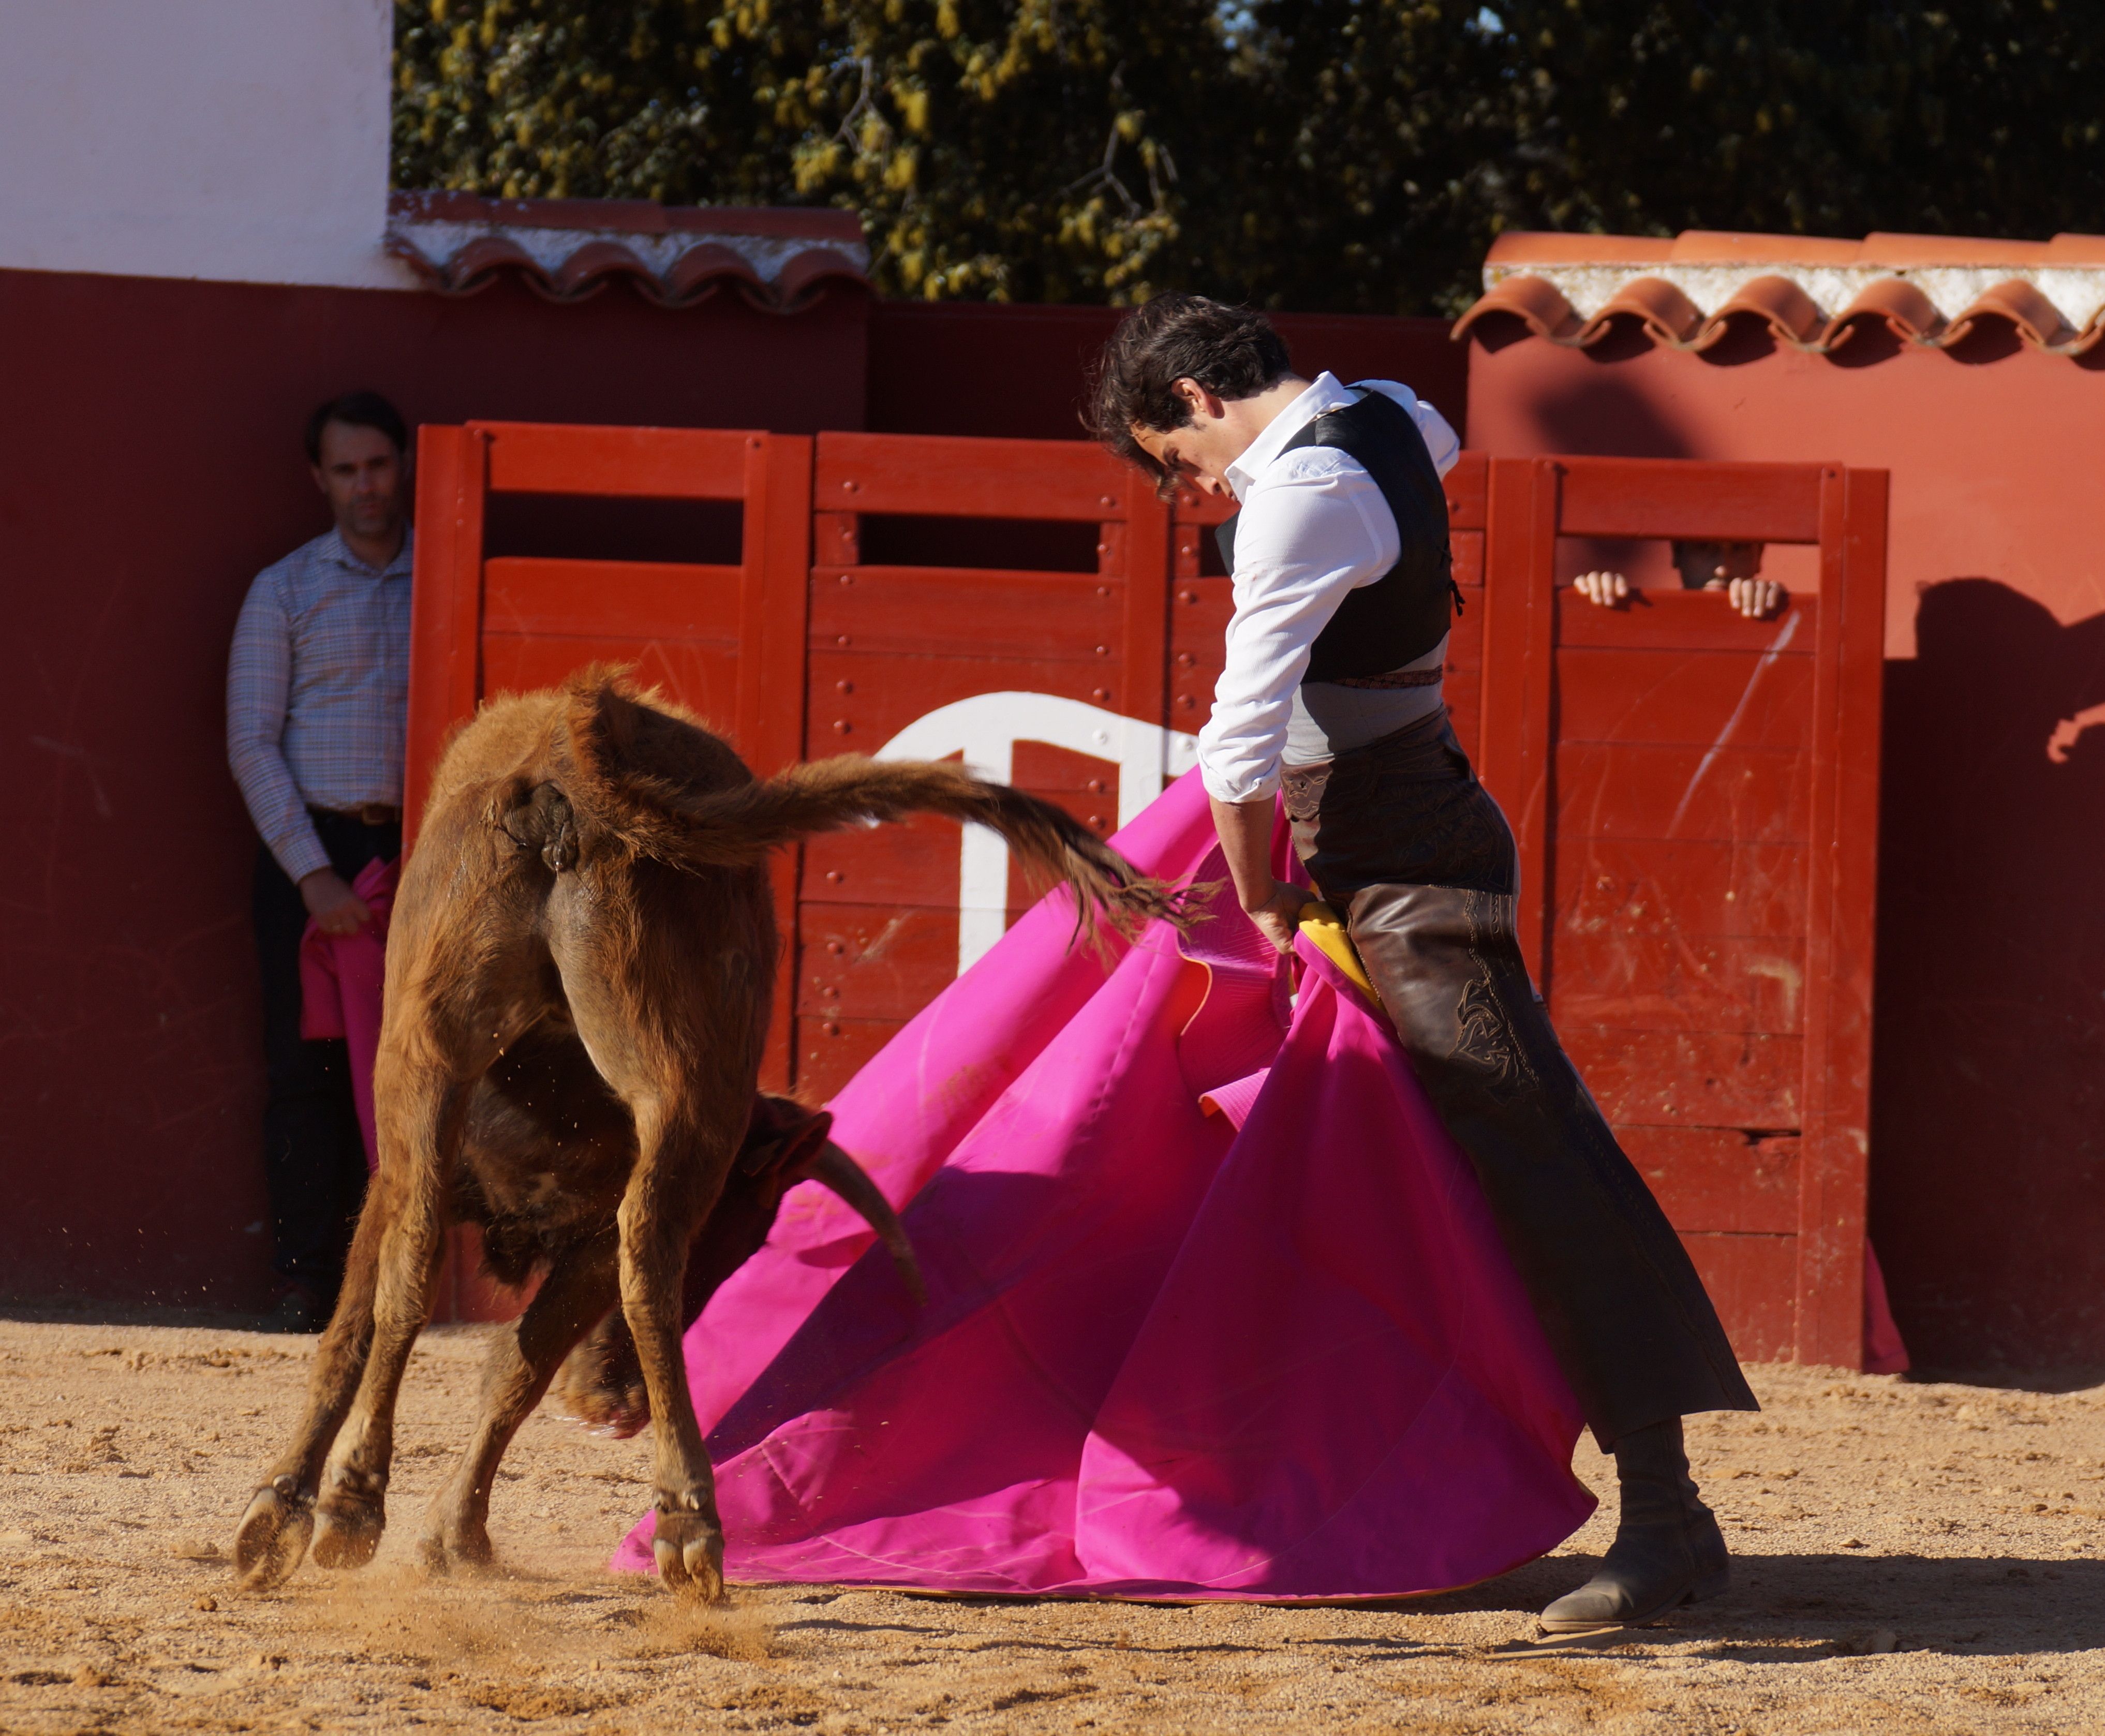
pixel 1987 1152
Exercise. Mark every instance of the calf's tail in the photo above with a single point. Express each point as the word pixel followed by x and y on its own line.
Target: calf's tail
pixel 738 826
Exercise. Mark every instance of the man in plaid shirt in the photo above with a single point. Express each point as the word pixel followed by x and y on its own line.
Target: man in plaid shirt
pixel 317 698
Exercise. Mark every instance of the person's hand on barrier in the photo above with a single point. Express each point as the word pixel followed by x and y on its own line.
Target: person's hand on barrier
pixel 335 908
pixel 1603 590
pixel 1279 917
pixel 1756 598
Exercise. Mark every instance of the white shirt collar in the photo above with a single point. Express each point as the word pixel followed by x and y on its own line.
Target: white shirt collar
pixel 1328 392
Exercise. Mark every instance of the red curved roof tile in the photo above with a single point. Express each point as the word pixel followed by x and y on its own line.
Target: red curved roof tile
pixel 1536 301
pixel 1667 316
pixel 569 250
pixel 1811 291
pixel 1787 311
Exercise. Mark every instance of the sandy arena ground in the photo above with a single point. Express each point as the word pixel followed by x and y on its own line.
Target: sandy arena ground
pixel 1913 1557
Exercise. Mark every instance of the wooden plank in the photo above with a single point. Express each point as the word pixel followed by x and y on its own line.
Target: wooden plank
pixel 1468 491
pixel 926 474
pixel 1683 621
pixel 1751 1279
pixel 775 593
pixel 1669 982
pixel 832 1052
pixel 1753 795
pixel 1713 1180
pixel 611 599
pixel 1660 887
pixel 446 605
pixel 1684 499
pixel 1708 699
pixel 1841 903
pixel 703 678
pixel 860 701
pixel 1144 636
pixel 968 612
pixel 1514 739
pixel 913 864
pixel 653 463
pixel 884 962
pixel 1689 1078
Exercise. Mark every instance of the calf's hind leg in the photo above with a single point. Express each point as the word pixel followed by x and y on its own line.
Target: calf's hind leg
pixel 426 1112
pixel 274 1532
pixel 579 1289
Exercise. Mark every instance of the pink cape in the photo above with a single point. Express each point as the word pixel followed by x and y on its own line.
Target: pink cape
pixel 340 981
pixel 1274 1351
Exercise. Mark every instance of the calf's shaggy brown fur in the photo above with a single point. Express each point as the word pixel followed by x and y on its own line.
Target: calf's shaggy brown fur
pixel 579 968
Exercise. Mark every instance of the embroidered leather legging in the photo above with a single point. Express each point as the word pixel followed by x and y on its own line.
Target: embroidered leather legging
pixel 1400 836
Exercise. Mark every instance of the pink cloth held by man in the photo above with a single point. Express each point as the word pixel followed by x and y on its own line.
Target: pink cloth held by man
pixel 1163 1354
pixel 339 982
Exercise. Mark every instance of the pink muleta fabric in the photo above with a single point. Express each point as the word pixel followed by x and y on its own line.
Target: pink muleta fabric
pixel 340 981
pixel 1275 1351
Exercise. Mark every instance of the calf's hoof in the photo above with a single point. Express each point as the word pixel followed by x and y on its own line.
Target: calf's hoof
pixel 455 1545
pixel 347 1532
pixel 603 1390
pixel 688 1547
pixel 273 1535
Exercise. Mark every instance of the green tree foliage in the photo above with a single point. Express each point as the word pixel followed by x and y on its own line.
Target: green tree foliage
pixel 1352 154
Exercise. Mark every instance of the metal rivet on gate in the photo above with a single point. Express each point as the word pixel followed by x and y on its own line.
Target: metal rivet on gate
pixel 1095 786
pixel 1185 659
pixel 1103 590
pixel 848 578
pixel 1103 650
pixel 1185 702
pixel 841 640
pixel 851 488
pixel 845 687
pixel 1102 695
pixel 830 1028
pixel 842 726
pixel 834 875
pixel 835 948
pixel 1187 597
pixel 753 445
pixel 1107 500
pixel 1098 821
pixel 1103 548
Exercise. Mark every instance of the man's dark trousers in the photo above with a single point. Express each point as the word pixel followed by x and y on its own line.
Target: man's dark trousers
pixel 314 1156
pixel 1402 838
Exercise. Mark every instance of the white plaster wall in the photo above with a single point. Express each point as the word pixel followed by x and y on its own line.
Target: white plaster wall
pixel 244 140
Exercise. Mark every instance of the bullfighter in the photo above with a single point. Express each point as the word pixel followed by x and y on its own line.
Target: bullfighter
pixel 1332 694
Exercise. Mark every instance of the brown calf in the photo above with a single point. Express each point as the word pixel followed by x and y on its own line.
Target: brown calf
pixel 579 968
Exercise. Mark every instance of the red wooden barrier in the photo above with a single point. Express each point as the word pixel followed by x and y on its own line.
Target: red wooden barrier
pixel 1696 799
pixel 1692 793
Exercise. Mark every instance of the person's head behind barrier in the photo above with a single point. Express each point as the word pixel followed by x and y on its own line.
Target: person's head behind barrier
pixel 358 448
pixel 356 410
pixel 1231 352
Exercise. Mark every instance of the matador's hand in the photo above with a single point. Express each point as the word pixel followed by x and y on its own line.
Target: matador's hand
pixel 1279 915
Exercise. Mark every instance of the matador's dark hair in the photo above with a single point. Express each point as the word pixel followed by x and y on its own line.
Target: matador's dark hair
pixel 1231 351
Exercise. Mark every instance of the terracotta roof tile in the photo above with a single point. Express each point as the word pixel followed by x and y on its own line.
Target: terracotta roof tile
pixel 568 249
pixel 1813 292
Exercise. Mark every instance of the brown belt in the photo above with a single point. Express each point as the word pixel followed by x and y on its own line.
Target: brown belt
pixel 1394 678
pixel 372 813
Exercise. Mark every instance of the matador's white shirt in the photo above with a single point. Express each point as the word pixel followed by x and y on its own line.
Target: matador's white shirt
pixel 1314 527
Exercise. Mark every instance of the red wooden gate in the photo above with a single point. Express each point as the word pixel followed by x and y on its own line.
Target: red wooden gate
pixel 1692 793
pixel 1696 799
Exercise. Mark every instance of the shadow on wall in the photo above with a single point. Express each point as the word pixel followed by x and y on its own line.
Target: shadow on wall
pixel 1987 1152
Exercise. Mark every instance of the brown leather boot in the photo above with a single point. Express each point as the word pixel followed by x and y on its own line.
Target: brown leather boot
pixel 1667 1550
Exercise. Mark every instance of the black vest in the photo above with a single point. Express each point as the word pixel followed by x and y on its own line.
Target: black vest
pixel 1405 613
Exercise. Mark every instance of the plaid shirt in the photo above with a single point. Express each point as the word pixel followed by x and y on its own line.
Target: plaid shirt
pixel 318 693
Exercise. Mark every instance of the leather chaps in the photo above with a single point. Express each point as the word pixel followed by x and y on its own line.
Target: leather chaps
pixel 1401 838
